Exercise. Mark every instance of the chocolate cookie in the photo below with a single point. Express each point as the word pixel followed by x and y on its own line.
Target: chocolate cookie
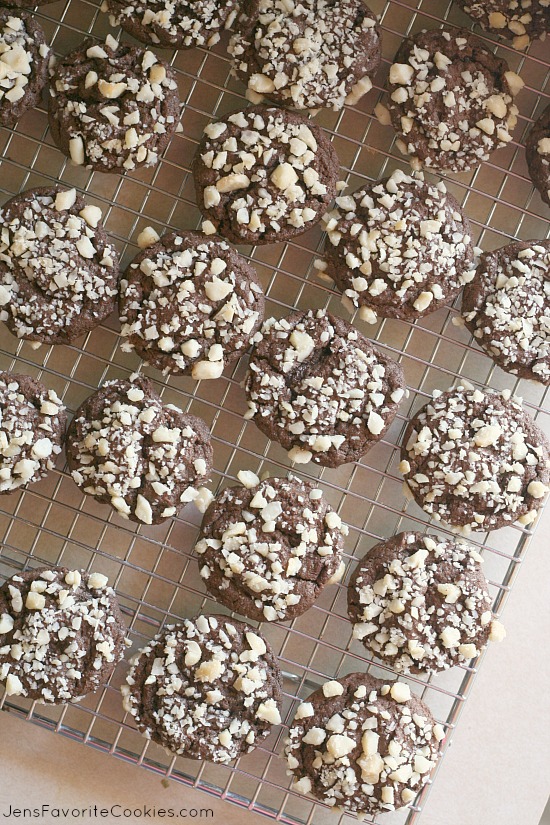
pixel 362 745
pixel 176 25
pixel 476 460
pixel 23 4
pixel 32 429
pixel 58 271
pixel 319 388
pixel 264 175
pixel 268 551
pixel 144 458
pixel 208 688
pixel 451 100
pixel 61 634
pixel 517 20
pixel 537 149
pixel 507 308
pixel 399 248
pixel 309 55
pixel 113 107
pixel 421 604
pixel 190 304
pixel 24 60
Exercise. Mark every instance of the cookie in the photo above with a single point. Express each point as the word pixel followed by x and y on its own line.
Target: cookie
pixel 32 429
pixel 268 550
pixel 113 107
pixel 520 22
pixel 173 25
pixel 190 304
pixel 264 175
pixel 23 4
pixel 61 634
pixel 362 745
pixel 507 308
pixel 208 688
pixel 537 149
pixel 398 248
pixel 319 388
pixel 58 270
pixel 315 54
pixel 475 460
pixel 144 458
pixel 24 61
pixel 451 100
pixel 421 604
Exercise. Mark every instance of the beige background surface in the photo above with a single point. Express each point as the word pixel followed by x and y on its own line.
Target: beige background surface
pixel 496 772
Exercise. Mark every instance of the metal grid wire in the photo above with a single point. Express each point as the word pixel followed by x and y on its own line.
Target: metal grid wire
pixel 152 568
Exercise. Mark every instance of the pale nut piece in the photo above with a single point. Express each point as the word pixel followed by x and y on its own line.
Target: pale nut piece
pixel 332 688
pixel 76 150
pixel 400 692
pixel 261 84
pixel 401 74
pixel 92 215
pixel 232 183
pixel 269 712
pixel 65 199
pixel 111 90
pixel 97 581
pixel 209 671
pixel 284 176
pixel 147 237
pixel 205 370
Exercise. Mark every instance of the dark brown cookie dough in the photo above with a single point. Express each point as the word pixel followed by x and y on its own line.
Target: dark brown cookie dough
pixel 476 460
pixel 507 308
pixel 190 304
pixel 315 54
pixel 208 688
pixel 451 100
pixel 319 388
pixel 537 149
pixel 24 61
pixel 399 248
pixel 421 603
pixel 61 634
pixel 23 4
pixel 128 449
pixel 113 107
pixel 520 21
pixel 363 745
pixel 58 271
pixel 268 551
pixel 264 175
pixel 175 24
pixel 32 430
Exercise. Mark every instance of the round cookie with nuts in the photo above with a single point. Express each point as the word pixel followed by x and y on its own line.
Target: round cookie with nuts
pixel 362 745
pixel 520 21
pixel 208 688
pixel 173 25
pixel 421 604
pixel 32 430
pixel 113 107
pixel 264 175
pixel 537 149
pixel 475 460
pixel 61 634
pixel 144 458
pixel 190 304
pixel 315 54
pixel 268 549
pixel 319 388
pixel 24 61
pixel 451 101
pixel 58 270
pixel 398 248
pixel 507 308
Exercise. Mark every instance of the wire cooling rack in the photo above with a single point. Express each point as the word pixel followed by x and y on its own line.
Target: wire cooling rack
pixel 152 568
